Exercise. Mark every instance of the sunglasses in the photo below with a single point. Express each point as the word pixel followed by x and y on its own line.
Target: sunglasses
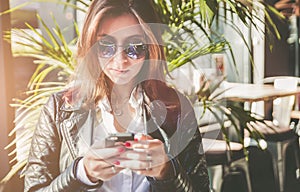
pixel 132 50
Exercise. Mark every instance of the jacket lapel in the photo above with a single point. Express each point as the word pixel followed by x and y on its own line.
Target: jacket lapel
pixel 77 129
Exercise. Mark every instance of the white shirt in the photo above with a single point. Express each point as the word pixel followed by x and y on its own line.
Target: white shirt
pixel 126 180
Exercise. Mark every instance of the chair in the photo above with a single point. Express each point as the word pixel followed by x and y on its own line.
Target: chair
pixel 281 135
pixel 224 163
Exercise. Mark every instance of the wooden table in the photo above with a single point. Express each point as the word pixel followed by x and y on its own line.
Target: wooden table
pixel 249 93
pixel 243 92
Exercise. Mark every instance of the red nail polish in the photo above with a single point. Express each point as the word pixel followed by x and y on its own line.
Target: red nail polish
pixel 117 162
pixel 121 150
pixel 127 144
pixel 136 139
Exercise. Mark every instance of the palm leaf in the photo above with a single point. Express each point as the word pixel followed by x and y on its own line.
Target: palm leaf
pixel 49 56
pixel 223 109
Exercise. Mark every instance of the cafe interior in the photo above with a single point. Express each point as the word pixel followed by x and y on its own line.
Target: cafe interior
pixel 250 118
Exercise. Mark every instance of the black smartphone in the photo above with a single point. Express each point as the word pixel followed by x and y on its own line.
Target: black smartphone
pixel 118 137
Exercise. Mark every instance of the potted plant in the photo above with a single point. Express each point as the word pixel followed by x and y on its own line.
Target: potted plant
pixel 184 18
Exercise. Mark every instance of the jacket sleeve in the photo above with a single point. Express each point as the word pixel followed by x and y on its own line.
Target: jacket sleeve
pixel 42 169
pixel 190 164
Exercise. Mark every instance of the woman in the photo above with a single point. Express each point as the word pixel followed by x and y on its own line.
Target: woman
pixel 119 87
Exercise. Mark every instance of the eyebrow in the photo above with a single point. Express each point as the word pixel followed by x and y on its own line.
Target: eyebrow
pixel 129 37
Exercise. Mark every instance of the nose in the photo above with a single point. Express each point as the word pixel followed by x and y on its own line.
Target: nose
pixel 120 57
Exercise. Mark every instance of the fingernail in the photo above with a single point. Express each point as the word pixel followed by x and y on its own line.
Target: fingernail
pixel 121 149
pixel 127 144
pixel 139 150
pixel 136 139
pixel 117 162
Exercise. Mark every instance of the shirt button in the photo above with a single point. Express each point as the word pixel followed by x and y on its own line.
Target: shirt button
pixel 42 179
pixel 68 124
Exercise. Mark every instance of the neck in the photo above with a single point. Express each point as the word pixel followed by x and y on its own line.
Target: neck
pixel 120 92
pixel 119 97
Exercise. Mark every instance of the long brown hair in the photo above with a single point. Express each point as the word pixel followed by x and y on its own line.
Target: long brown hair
pixel 88 77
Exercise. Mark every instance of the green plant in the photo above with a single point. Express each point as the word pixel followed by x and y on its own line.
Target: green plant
pixel 51 57
pixel 210 98
pixel 184 18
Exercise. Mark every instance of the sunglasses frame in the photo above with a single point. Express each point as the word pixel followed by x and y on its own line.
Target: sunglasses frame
pixel 125 48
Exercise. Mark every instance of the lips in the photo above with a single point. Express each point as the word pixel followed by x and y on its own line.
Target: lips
pixel 119 71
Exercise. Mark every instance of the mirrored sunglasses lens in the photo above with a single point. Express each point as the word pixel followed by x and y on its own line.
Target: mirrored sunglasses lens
pixel 106 51
pixel 136 51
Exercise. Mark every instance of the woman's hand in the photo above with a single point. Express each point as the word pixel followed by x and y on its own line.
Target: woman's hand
pixel 99 162
pixel 147 156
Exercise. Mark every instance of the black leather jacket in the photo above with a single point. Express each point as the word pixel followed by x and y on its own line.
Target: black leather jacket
pixel 54 151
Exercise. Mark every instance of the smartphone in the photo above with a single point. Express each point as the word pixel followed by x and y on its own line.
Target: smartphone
pixel 118 137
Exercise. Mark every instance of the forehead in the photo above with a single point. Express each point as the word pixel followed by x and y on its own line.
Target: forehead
pixel 120 27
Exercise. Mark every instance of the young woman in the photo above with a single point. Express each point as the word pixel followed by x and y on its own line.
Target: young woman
pixel 119 90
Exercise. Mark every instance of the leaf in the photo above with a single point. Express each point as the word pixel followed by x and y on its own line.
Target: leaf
pixel 49 56
pixel 213 5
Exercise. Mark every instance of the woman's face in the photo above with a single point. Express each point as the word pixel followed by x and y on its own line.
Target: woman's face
pixel 121 48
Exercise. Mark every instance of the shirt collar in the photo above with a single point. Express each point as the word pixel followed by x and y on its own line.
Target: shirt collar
pixel 135 100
